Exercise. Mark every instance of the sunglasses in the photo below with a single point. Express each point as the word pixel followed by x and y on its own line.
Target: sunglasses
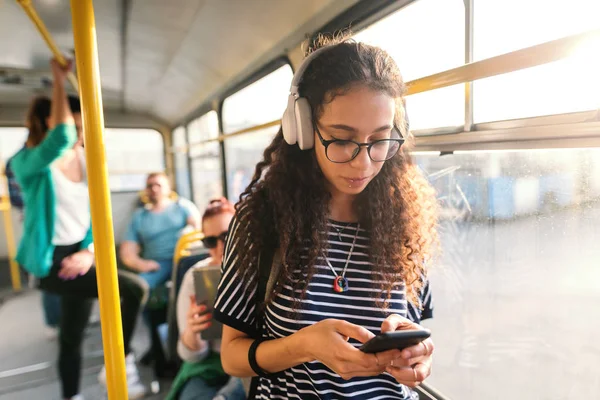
pixel 210 242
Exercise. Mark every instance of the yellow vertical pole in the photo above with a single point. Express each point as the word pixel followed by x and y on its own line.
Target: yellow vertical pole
pixel 15 276
pixel 86 50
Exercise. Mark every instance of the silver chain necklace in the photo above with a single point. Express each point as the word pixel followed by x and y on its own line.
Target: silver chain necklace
pixel 340 230
pixel 340 283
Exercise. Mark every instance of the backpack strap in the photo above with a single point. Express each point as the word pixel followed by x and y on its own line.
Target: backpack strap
pixel 269 265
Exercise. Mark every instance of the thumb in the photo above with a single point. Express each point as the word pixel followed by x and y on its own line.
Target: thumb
pixel 396 322
pixel 354 331
pixel 193 299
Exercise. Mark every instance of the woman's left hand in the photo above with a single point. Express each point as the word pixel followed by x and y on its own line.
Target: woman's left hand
pixel 414 364
pixel 76 264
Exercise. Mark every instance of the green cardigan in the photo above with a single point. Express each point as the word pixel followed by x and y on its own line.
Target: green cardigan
pixel 31 167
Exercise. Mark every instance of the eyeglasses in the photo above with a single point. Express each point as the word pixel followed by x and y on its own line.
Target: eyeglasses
pixel 343 151
pixel 210 242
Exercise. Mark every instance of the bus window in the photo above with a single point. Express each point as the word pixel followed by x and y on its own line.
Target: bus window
pixel 424 38
pixel 263 101
pixel 569 85
pixel 243 153
pixel 258 103
pixel 131 155
pixel 518 285
pixel 206 159
pixel 11 140
pixel 182 175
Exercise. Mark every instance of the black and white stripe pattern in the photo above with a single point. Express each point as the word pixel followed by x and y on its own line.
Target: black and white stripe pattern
pixel 236 307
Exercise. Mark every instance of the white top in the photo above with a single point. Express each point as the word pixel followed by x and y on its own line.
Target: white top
pixel 183 305
pixel 72 207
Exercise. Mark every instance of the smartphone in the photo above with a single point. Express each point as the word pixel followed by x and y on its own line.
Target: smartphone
pixel 206 281
pixel 395 340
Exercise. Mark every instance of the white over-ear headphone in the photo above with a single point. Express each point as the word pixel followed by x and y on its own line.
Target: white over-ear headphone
pixel 297 121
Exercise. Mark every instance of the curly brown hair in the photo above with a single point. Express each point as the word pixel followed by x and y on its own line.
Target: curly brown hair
pixel 286 205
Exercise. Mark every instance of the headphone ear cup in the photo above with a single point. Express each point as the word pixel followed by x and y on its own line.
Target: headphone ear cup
pixel 288 122
pixel 305 129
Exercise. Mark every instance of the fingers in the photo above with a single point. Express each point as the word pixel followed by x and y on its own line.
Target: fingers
pixel 386 357
pixel 196 309
pixel 410 376
pixel 354 331
pixel 68 272
pixel 153 266
pixel 396 322
pixel 200 322
pixel 192 300
pixel 423 349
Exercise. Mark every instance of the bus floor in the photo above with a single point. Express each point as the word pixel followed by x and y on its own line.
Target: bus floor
pixel 28 358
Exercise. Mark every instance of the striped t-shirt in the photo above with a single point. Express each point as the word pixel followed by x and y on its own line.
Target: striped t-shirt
pixel 236 306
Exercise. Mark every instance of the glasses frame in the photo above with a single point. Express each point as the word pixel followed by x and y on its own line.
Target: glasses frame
pixel 326 144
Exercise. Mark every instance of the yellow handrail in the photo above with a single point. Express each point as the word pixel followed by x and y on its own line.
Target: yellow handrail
pixel 181 249
pixel 15 276
pixel 86 48
pixel 41 27
pixel 528 57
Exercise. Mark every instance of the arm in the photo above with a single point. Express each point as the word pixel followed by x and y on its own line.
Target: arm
pixel 272 356
pixel 193 219
pixel 62 134
pixel 129 254
pixel 190 345
pixel 60 113
pixel 130 249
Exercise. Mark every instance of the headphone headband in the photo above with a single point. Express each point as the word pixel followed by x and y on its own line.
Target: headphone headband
pixel 297 122
pixel 299 74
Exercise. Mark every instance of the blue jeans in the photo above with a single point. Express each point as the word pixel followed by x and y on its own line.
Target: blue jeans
pixel 51 306
pixel 196 388
pixel 156 278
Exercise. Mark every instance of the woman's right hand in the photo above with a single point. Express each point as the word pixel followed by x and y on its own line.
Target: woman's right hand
pixel 197 321
pixel 329 344
pixel 60 72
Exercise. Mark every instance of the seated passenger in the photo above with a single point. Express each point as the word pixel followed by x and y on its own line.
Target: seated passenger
pixel 57 244
pixel 150 242
pixel 154 230
pixel 202 376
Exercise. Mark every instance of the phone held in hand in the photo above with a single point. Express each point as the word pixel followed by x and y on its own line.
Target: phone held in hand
pixel 395 340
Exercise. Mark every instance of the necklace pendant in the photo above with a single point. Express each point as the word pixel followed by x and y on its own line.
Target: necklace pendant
pixel 340 284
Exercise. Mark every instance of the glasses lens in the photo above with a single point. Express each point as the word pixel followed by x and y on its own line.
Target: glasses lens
pixel 210 242
pixel 342 151
pixel 384 150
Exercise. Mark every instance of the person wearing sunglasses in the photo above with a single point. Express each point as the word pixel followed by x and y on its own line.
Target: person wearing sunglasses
pixel 202 376
pixel 348 226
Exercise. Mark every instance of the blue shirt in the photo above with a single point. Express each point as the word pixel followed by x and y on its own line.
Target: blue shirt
pixel 158 232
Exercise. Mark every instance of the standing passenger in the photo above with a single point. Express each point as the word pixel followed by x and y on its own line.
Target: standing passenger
pixel 354 223
pixel 57 245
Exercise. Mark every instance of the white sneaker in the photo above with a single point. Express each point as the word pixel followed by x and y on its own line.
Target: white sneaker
pixel 135 388
pixel 50 332
pixel 77 397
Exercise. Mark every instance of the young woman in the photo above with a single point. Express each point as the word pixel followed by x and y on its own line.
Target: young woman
pixel 202 376
pixel 57 245
pixel 354 223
